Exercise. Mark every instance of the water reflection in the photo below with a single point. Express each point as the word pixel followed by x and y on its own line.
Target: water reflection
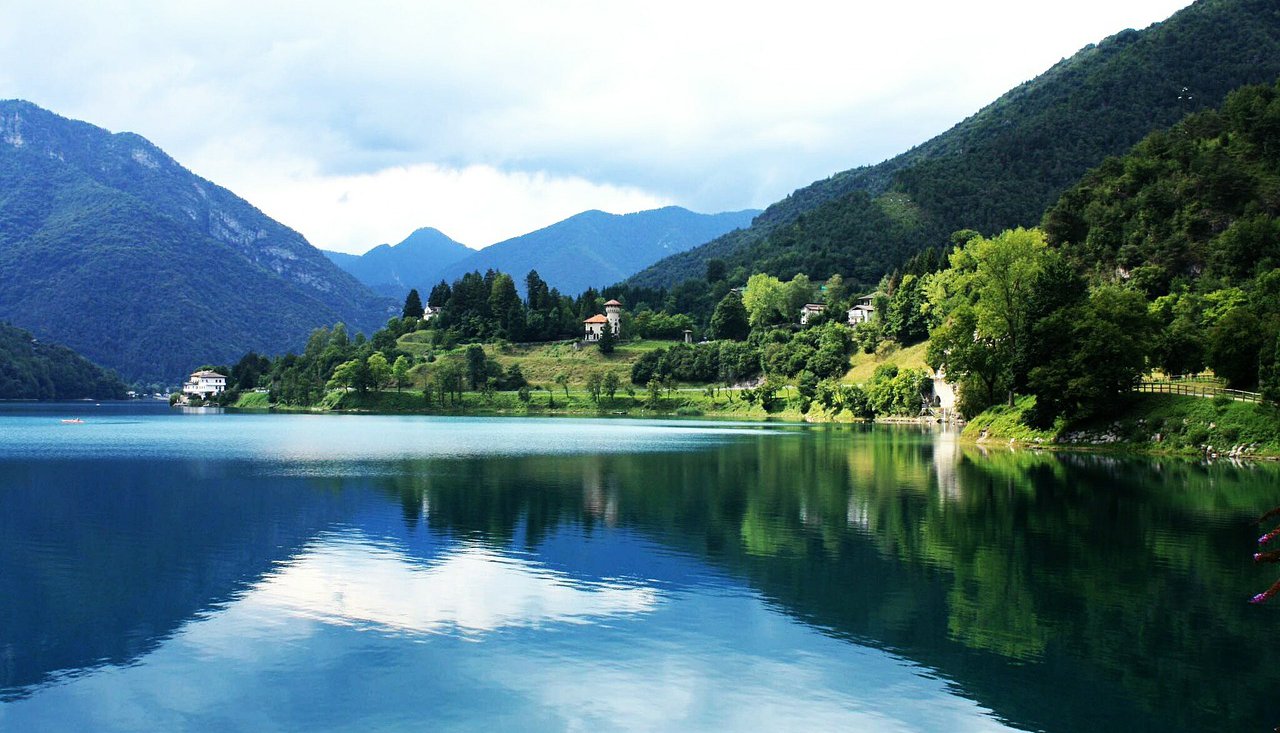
pixel 869 578
pixel 471 588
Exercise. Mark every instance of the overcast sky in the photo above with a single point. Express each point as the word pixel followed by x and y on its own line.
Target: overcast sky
pixel 357 122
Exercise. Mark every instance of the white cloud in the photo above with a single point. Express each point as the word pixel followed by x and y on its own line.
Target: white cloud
pixel 477 205
pixel 568 105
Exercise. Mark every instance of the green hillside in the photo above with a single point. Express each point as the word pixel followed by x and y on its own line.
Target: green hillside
pixel 1191 218
pixel 31 370
pixel 1005 165
pixel 109 246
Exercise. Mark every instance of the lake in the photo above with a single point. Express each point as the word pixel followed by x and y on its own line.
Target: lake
pixel 170 571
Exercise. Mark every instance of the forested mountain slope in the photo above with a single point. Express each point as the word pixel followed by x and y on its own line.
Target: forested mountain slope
pixel 1005 165
pixel 1191 217
pixel 32 370
pixel 111 247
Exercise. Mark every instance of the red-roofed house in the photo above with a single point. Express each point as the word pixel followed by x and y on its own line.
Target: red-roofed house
pixel 593 327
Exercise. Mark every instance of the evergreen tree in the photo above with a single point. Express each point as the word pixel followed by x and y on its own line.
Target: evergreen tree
pixel 440 295
pixel 606 339
pixel 475 365
pixel 412 305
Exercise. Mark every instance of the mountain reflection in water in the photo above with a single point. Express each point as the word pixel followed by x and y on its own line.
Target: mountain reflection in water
pixel 881 579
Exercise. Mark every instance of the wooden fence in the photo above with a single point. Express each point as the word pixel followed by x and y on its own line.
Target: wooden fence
pixel 1192 389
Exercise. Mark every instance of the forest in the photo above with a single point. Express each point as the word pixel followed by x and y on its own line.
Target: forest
pixel 31 370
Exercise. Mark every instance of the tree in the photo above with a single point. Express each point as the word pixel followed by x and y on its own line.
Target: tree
pixel 440 295
pixel 505 305
pixel 653 388
pixel 1235 347
pixel 611 384
pixel 412 305
pixel 249 370
pixel 730 320
pixel 906 321
pixel 968 359
pixel 764 300
pixel 562 379
pixel 987 292
pixel 379 370
pixel 400 371
pixel 795 294
pixel 344 375
pixel 1003 283
pixel 514 378
pixel 854 399
pixel 717 270
pixel 595 386
pixel 606 339
pixel 1109 338
pixel 476 366
pixel 836 295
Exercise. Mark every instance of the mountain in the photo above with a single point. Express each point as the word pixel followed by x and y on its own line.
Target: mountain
pixel 111 247
pixel 31 370
pixel 1187 206
pixel 586 250
pixel 1190 217
pixel 393 270
pixel 594 248
pixel 1005 165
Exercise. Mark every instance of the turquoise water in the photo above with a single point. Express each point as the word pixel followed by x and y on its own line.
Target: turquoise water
pixel 162 571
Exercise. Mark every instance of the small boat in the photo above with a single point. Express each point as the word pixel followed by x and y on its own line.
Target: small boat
pixel 73 421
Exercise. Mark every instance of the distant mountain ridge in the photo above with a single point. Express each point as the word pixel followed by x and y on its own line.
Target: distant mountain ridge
pixel 586 250
pixel 110 246
pixel 394 270
pixel 1006 164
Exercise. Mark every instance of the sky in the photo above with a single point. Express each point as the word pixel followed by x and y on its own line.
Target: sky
pixel 356 123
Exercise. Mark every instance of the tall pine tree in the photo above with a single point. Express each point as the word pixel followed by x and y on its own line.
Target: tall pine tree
pixel 413 305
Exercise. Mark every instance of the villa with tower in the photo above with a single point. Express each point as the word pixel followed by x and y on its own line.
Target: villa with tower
pixel 594 326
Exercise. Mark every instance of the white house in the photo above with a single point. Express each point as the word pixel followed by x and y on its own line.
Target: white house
pixel 428 313
pixel 810 310
pixel 204 384
pixel 593 327
pixel 863 312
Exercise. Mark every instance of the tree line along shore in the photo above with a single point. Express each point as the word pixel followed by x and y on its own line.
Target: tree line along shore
pixel 1163 261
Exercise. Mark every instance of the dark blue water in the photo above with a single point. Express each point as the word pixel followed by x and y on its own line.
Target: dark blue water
pixel 163 571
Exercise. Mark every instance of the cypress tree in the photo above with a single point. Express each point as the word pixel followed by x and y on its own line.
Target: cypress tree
pixel 413 305
pixel 606 339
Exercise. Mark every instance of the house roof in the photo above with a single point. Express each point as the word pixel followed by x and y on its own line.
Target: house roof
pixel 208 374
pixel 814 306
pixel 597 318
pixel 613 302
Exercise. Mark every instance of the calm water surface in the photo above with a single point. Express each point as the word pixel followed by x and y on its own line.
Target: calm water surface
pixel 162 571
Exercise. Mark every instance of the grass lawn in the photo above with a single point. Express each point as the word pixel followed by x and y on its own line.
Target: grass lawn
pixel 864 365
pixel 540 363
